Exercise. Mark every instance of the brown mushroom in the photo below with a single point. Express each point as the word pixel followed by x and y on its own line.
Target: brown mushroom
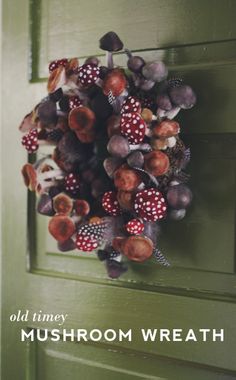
pixel 126 179
pixel 137 248
pixel 156 163
pixel 61 227
pixel 81 119
pixel 167 128
pixel 56 79
pixel 62 204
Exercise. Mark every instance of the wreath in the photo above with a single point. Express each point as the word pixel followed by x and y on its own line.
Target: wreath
pixel 117 166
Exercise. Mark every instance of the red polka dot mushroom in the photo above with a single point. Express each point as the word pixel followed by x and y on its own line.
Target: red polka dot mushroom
pixel 88 74
pixel 110 203
pixel 30 141
pixel 133 127
pixel 74 101
pixel 131 104
pixel 134 227
pixel 85 243
pixel 55 64
pixel 72 183
pixel 150 205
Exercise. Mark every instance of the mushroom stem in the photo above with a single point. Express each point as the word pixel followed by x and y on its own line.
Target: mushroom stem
pixel 144 147
pixel 109 59
pixel 128 53
pixel 168 114
pixel 51 174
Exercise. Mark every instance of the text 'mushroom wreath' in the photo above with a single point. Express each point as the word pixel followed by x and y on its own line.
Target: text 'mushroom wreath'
pixel 117 164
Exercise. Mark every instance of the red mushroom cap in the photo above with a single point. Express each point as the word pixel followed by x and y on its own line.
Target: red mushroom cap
pixel 150 205
pixel 134 227
pixel 72 183
pixel 133 127
pixel 61 227
pixel 114 82
pixel 58 62
pixel 62 204
pixel 74 101
pixel 88 74
pixel 81 207
pixel 30 176
pixel 126 178
pixel 156 163
pixel 56 79
pixel 131 104
pixel 81 119
pixel 110 203
pixel 137 248
pixel 85 243
pixel 30 141
pixel 167 128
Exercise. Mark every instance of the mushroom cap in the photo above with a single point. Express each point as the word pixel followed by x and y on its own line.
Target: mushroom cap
pixel 155 71
pixel 30 177
pixel 44 205
pixel 134 227
pixel 165 129
pixel 118 146
pixel 126 178
pixel 179 196
pixel 150 205
pixel 72 183
pixel 114 82
pixel 85 243
pixel 74 102
pixel 62 204
pixel 137 248
pixel 156 163
pixel 81 207
pixel 56 79
pixel 110 203
pixel 110 42
pixel 81 119
pixel 163 102
pixel 133 127
pixel 88 74
pixel 56 63
pixel 61 227
pixel 183 96
pixel 30 141
pixel 131 104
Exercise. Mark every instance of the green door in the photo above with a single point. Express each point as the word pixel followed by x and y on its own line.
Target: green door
pixel 197 40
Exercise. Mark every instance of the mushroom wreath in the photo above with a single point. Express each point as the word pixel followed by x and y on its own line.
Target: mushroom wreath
pixel 117 165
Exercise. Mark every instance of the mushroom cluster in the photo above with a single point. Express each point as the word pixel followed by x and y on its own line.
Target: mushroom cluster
pixel 117 163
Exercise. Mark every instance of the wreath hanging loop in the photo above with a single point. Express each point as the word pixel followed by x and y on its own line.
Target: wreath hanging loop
pixel 117 166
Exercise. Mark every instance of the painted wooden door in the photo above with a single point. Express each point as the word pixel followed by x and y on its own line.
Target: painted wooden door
pixel 197 40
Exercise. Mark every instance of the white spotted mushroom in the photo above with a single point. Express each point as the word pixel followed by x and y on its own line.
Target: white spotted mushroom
pixel 110 203
pixel 134 227
pixel 150 205
pixel 131 104
pixel 88 74
pixel 133 127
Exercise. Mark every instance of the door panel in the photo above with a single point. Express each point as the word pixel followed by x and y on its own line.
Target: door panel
pixel 197 40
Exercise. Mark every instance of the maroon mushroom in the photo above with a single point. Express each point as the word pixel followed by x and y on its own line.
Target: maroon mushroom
pixel 30 141
pixel 150 205
pixel 134 227
pixel 72 183
pixel 61 227
pixel 131 104
pixel 88 74
pixel 62 204
pixel 110 203
pixel 133 127
pixel 156 163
